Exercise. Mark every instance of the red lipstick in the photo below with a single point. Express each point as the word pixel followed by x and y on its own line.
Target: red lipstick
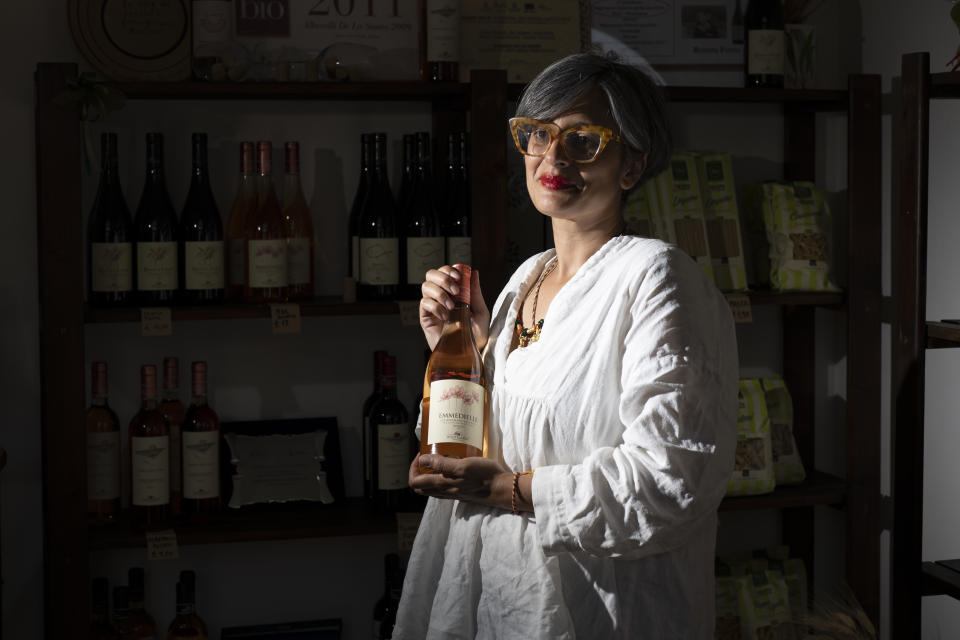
pixel 554 182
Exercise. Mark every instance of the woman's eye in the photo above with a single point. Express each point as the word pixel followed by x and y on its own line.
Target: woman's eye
pixel 541 135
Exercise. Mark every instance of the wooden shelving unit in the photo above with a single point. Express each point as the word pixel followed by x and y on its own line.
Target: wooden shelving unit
pixel 911 578
pixel 69 540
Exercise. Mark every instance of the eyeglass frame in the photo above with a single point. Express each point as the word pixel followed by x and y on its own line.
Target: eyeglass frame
pixel 556 133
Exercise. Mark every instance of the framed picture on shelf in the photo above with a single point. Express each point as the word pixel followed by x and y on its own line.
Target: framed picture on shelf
pixel 678 35
pixel 271 463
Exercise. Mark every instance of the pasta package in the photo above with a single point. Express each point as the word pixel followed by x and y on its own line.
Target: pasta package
pixel 787 465
pixel 722 219
pixel 796 218
pixel 727 609
pixel 764 607
pixel 680 213
pixel 753 464
pixel 640 211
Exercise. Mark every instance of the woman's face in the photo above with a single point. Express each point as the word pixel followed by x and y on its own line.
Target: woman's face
pixel 589 192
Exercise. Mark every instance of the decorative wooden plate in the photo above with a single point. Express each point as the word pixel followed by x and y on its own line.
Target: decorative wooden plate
pixel 134 40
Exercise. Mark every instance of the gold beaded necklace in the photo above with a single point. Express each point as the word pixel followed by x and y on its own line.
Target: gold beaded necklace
pixel 527 336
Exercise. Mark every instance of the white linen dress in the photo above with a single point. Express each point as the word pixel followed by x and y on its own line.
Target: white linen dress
pixel 626 408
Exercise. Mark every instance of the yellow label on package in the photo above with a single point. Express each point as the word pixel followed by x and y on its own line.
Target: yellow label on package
pixel 681 209
pixel 719 193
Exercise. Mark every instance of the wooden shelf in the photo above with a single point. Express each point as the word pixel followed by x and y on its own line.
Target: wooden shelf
pixel 800 298
pixel 355 517
pixel 292 90
pixel 941 578
pixel 943 335
pixel 332 306
pixel 945 85
pixel 818 489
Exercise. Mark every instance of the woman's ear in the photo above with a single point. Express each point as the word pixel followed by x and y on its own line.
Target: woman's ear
pixel 632 170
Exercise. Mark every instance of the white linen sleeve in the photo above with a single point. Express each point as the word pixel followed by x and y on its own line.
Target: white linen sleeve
pixel 678 410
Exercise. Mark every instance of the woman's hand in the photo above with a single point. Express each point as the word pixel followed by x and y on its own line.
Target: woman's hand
pixel 438 290
pixel 479 480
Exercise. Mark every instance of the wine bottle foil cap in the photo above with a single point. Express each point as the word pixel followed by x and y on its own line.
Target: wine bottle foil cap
pixel 199 378
pixel 171 372
pixel 148 381
pixel 98 378
pixel 465 272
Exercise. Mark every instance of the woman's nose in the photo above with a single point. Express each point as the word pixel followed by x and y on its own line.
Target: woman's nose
pixel 556 155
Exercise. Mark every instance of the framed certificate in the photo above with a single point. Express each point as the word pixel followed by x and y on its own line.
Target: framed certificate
pixel 274 462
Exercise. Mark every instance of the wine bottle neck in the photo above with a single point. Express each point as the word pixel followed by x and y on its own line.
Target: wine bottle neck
pixel 171 394
pixel 98 401
pixel 292 188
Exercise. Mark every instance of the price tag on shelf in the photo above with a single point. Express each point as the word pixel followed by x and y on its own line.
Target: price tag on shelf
pixel 407 525
pixel 156 321
pixel 740 306
pixel 285 318
pixel 162 545
pixel 409 312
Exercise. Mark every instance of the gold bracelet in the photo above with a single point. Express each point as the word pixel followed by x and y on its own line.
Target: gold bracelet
pixel 515 495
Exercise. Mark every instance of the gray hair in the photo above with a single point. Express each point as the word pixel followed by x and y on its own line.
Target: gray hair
pixel 636 104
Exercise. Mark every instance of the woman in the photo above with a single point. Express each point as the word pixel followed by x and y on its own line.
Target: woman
pixel 614 370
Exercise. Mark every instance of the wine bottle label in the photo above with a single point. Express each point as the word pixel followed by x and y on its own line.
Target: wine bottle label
pixel 111 266
pixel 150 471
pixel 423 254
pixel 298 261
pixel 456 413
pixel 237 245
pixel 355 257
pixel 201 464
pixel 268 263
pixel 211 22
pixel 203 262
pixel 156 266
pixel 443 30
pixel 459 251
pixel 767 48
pixel 379 264
pixel 175 448
pixel 103 465
pixel 393 456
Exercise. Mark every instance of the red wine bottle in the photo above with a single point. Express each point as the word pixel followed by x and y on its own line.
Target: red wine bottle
pixel 149 448
pixel 377 231
pixel 201 451
pixel 456 222
pixel 443 40
pixel 109 235
pixel 423 240
pixel 201 235
pixel 385 609
pixel 390 438
pixel 299 228
pixel 368 404
pixel 765 47
pixel 363 187
pixel 156 230
pixel 409 167
pixel 103 450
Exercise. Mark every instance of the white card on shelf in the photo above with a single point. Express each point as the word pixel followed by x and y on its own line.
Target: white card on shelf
pixel 740 306
pixel 162 545
pixel 156 321
pixel 285 318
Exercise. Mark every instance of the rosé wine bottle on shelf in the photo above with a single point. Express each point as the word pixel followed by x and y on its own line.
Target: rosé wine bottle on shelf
pixel 244 205
pixel 187 624
pixel 142 626
pixel 266 238
pixel 173 410
pixel 201 451
pixel 149 458
pixel 456 412
pixel 299 228
pixel 103 450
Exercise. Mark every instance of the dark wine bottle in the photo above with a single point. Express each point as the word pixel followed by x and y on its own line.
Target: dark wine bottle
pixel 142 625
pixel 456 222
pixel 187 623
pixel 736 25
pixel 201 235
pixel 109 235
pixel 385 609
pixel 363 186
pixel 390 438
pixel 368 404
pixel 765 48
pixel 377 230
pixel 156 233
pixel 100 626
pixel 442 27
pixel 423 240
pixel 409 165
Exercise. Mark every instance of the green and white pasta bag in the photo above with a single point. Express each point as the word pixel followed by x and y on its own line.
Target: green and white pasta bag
pixel 797 219
pixel 787 465
pixel 753 464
